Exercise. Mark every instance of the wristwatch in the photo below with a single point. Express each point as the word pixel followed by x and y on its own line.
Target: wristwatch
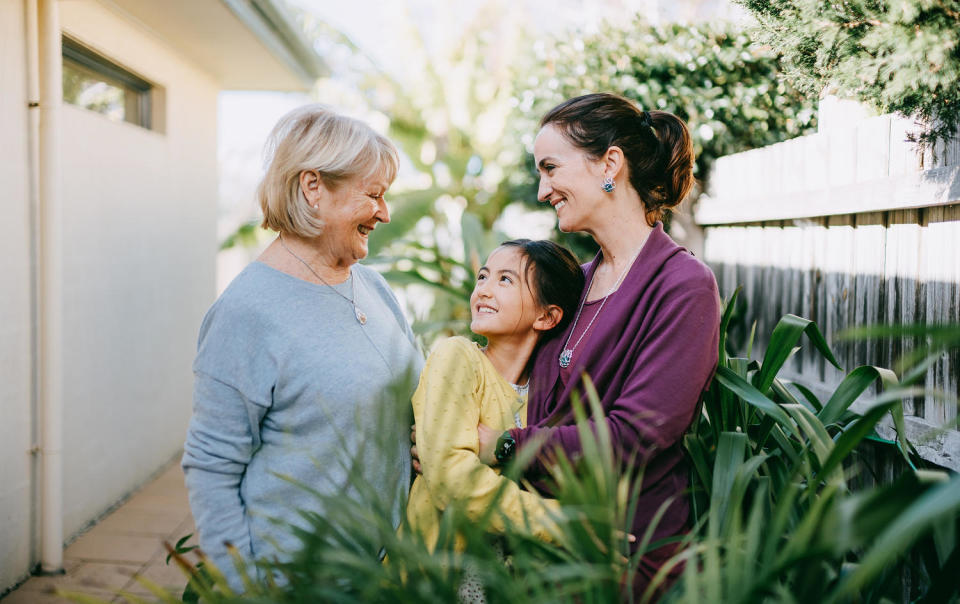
pixel 506 447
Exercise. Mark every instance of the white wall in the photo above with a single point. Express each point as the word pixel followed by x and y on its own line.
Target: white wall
pixel 15 349
pixel 140 241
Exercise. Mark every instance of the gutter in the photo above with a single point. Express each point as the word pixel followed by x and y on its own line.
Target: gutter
pixel 49 76
pixel 33 181
pixel 282 36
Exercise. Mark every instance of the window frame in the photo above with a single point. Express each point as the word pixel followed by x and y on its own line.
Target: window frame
pixel 113 74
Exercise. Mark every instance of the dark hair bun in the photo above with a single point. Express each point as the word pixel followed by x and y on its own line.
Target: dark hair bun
pixel 656 144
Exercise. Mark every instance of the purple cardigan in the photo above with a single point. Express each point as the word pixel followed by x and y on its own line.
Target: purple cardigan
pixel 651 353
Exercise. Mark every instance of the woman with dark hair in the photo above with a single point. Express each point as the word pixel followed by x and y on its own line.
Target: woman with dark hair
pixel 647 326
pixel 526 292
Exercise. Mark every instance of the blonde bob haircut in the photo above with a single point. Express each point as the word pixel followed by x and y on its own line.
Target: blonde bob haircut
pixel 315 138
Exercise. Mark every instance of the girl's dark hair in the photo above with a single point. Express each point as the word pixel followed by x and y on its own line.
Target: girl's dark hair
pixel 656 145
pixel 553 275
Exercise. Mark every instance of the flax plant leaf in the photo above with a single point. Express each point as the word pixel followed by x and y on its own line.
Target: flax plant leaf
pixel 753 396
pixel 782 343
pixel 852 386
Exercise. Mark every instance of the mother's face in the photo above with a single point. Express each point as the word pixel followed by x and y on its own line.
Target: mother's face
pixel 349 212
pixel 569 180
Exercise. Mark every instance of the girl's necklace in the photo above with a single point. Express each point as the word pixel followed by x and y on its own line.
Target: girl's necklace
pixel 361 317
pixel 567 355
pixel 521 389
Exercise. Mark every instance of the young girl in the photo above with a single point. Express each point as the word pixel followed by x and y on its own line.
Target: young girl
pixel 525 293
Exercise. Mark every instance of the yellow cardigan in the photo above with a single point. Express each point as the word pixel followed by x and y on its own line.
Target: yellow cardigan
pixel 458 389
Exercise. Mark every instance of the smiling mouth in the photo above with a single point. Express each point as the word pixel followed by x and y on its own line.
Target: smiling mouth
pixel 364 230
pixel 560 204
pixel 485 310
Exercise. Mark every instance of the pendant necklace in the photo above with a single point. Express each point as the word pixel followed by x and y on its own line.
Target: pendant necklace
pixel 567 355
pixel 361 317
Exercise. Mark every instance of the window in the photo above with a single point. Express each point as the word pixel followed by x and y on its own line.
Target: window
pixel 94 82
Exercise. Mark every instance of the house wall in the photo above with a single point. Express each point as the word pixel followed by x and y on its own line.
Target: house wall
pixel 140 241
pixel 16 425
pixel 139 272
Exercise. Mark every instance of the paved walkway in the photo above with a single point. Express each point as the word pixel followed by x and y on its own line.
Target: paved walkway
pixel 126 544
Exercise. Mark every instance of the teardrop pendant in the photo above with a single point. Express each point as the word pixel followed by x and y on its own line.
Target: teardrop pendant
pixel 565 357
pixel 362 318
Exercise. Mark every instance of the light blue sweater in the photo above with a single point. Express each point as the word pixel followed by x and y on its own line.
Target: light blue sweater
pixel 289 384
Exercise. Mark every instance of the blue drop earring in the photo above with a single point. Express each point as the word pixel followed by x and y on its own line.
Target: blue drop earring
pixel 608 185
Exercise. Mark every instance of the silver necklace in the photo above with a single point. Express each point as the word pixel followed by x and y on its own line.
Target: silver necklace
pixel 567 355
pixel 361 317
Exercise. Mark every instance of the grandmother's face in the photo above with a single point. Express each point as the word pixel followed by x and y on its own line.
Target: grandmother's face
pixel 350 212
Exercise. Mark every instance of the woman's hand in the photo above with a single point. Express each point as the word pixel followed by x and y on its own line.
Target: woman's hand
pixel 414 457
pixel 488 443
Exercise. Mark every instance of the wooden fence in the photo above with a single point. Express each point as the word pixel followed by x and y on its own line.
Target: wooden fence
pixel 849 227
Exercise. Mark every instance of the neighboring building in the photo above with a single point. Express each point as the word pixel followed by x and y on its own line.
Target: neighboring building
pixel 108 258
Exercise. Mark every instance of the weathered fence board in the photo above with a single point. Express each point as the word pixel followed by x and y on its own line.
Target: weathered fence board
pixel 848 228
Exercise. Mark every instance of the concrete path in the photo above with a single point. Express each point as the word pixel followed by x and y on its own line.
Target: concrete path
pixel 122 546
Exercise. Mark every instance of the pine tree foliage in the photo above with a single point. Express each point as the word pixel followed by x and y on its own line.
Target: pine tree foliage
pixel 900 55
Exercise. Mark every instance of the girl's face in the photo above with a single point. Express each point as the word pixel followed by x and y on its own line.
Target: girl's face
pixel 501 303
pixel 569 180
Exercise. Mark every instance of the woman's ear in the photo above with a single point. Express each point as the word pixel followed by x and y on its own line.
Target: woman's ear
pixel 613 162
pixel 548 318
pixel 312 187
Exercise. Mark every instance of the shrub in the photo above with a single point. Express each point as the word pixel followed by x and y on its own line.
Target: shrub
pixel 773 469
pixel 728 89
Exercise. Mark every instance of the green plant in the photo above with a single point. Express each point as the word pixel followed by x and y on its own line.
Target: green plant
pixel 777 516
pixel 898 56
pixel 180 549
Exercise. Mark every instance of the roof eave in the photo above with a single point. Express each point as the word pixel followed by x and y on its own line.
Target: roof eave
pixel 282 36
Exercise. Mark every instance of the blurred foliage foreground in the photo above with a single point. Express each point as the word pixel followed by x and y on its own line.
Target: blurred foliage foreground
pixel 776 518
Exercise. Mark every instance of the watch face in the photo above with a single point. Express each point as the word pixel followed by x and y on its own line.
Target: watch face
pixel 505 447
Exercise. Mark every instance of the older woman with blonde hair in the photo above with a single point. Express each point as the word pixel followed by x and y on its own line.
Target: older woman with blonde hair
pixel 295 356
